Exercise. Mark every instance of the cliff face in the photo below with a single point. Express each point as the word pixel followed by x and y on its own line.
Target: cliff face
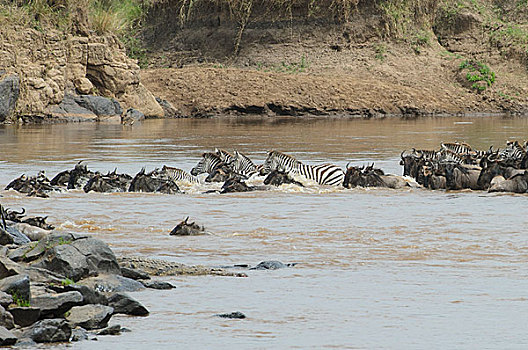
pixel 50 64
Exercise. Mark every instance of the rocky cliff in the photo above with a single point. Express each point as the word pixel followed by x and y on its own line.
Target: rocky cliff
pixel 51 67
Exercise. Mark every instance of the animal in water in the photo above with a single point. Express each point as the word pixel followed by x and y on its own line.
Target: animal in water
pixel 111 182
pixel 516 184
pixel 277 178
pixel 324 174
pixel 184 228
pixel 371 177
pixel 178 175
pixel 207 164
pixel 460 177
pixel 152 182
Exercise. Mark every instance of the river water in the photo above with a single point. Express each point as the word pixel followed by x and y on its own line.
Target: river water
pixel 377 268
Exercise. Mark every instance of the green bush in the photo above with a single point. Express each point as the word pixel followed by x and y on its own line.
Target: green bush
pixel 479 74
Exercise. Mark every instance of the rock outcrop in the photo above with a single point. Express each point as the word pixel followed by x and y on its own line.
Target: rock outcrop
pixel 46 68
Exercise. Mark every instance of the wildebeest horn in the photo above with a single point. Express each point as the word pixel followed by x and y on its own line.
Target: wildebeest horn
pixel 185 221
pixel 347 165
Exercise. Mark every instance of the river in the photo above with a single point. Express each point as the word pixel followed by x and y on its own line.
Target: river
pixel 377 268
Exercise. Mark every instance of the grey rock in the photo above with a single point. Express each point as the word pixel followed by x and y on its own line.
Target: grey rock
pixel 18 237
pixel 269 265
pixel 51 331
pixel 112 284
pixel 55 305
pixel 158 285
pixel 131 116
pixel 101 106
pixel 90 295
pixel 5 299
pixel 79 334
pixel 9 268
pixel 16 285
pixel 90 316
pixel 236 314
pixel 6 337
pixel 112 330
pixel 6 319
pixel 5 237
pixel 168 108
pixel 9 92
pixel 70 110
pixel 25 316
pixel 134 274
pixel 125 304
pixel 77 257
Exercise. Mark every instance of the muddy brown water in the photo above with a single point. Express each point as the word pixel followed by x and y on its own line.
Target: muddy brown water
pixel 396 269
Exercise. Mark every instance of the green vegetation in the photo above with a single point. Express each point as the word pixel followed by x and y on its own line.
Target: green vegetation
pixel 19 301
pixel 380 51
pixel 283 67
pixel 67 282
pixel 479 74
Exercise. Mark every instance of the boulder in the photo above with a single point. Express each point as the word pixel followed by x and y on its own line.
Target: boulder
pixel 134 274
pixel 112 330
pixel 104 108
pixel 70 110
pixel 158 285
pixel 132 116
pixel 17 286
pixel 143 100
pixel 9 268
pixel 90 296
pixel 168 109
pixel 5 299
pixel 125 304
pixel 24 316
pixel 9 92
pixel 76 256
pixel 78 334
pixel 6 337
pixel 90 316
pixel 5 237
pixel 51 331
pixel 32 232
pixel 56 304
pixel 6 319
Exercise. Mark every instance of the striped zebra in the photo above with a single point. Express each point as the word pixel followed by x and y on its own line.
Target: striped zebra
pixel 209 162
pixel 446 155
pixel 224 155
pixel 457 147
pixel 426 154
pixel 177 175
pixel 239 163
pixel 513 151
pixel 324 174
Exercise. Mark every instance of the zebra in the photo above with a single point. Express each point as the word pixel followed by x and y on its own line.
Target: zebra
pixel 457 147
pixel 177 175
pixel 513 152
pixel 239 163
pixel 209 162
pixel 426 154
pixel 324 174
pixel 224 155
pixel 447 155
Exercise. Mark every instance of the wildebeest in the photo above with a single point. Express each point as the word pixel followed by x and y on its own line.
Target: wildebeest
pixel 493 169
pixel 79 176
pixel 152 182
pixel 236 185
pixel 277 178
pixel 185 228
pixel 460 177
pixel 111 182
pixel 516 184
pixel 431 179
pixel 224 173
pixel 38 186
pixel 371 177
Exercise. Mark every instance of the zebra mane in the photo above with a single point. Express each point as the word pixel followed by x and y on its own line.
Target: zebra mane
pixel 209 155
pixel 223 154
pixel 282 155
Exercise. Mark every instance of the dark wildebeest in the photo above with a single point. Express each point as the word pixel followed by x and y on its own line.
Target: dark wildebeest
pixel 516 184
pixel 493 169
pixel 459 177
pixel 223 173
pixel 38 186
pixel 432 180
pixel 277 178
pixel 152 182
pixel 38 221
pixel 235 185
pixel 111 182
pixel 371 177
pixel 79 176
pixel 187 229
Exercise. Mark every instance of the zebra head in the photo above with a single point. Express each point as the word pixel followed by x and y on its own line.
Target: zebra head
pixel 207 164
pixel 271 163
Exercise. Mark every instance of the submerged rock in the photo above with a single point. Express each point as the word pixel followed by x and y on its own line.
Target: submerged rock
pixel 236 314
pixel 112 330
pixel 271 265
pixel 158 285
pixel 112 284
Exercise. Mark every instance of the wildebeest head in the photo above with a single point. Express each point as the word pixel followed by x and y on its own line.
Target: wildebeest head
pixel 410 163
pixel 277 178
pixel 488 172
pixel 185 228
pixel 39 221
pixel 223 173
pixel 15 216
pixel 235 185
pixel 353 177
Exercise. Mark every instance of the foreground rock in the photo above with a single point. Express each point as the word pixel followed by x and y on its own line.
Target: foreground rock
pixel 51 331
pixel 125 304
pixel 90 316
pixel 6 337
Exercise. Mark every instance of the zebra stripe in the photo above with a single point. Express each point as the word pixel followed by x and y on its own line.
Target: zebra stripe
pixel 446 155
pixel 176 174
pixel 513 151
pixel 208 163
pixel 225 156
pixel 324 174
pixel 457 147
pixel 243 165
